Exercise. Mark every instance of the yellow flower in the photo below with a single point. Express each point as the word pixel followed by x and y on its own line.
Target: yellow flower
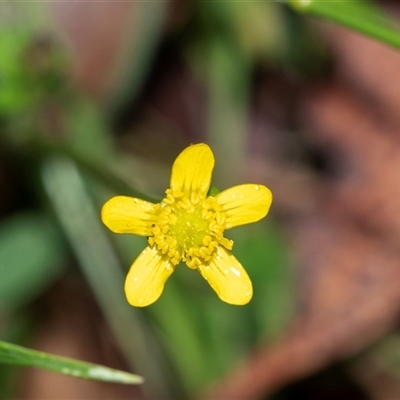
pixel 188 226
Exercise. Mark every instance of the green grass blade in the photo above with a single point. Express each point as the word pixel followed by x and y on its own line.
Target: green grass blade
pixel 17 355
pixel 361 16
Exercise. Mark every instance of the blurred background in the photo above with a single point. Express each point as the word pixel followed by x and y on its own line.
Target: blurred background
pixel 98 99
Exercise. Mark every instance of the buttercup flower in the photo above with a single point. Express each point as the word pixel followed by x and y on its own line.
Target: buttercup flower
pixel 187 225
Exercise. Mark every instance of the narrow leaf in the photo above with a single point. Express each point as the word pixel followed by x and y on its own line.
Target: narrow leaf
pixel 362 16
pixel 17 355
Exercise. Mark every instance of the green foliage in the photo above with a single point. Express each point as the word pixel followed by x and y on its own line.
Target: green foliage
pixel 17 355
pixel 13 81
pixel 31 69
pixel 363 16
pixel 262 248
pixel 32 255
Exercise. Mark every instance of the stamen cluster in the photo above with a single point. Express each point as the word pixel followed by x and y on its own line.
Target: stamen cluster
pixel 189 228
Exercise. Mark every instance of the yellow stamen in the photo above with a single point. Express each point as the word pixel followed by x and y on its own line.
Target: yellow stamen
pixel 189 228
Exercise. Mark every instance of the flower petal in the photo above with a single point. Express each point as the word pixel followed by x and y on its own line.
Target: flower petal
pixel 192 170
pixel 228 278
pixel 146 278
pixel 124 214
pixel 244 204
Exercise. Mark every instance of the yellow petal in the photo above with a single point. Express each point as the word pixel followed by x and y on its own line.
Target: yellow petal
pixel 192 170
pixel 124 214
pixel 146 278
pixel 244 204
pixel 228 278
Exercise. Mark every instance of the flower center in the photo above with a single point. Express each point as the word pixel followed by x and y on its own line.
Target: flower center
pixel 189 229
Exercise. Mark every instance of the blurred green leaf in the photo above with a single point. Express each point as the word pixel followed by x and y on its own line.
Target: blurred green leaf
pixel 227 333
pixel 363 16
pixel 262 250
pixel 88 132
pixel 260 30
pixel 17 355
pixel 31 256
pixel 182 334
pixel 32 68
pixel 386 354
pixel 13 81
